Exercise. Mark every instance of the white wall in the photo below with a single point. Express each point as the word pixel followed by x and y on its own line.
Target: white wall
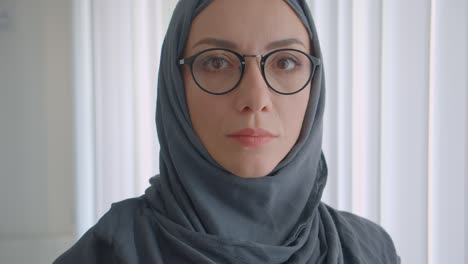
pixel 36 130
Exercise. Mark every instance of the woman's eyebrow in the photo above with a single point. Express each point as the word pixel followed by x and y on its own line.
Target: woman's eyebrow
pixel 284 43
pixel 231 45
pixel 216 42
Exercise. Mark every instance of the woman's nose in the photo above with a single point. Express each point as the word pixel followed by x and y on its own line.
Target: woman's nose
pixel 253 93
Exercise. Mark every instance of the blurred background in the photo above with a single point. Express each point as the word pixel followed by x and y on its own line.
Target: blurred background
pixel 77 102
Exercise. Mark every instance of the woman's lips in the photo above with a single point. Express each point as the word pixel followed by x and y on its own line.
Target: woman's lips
pixel 252 137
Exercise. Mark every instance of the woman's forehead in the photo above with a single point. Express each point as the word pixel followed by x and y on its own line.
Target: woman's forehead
pixel 258 25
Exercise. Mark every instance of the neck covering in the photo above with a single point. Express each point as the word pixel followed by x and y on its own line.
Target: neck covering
pixel 204 213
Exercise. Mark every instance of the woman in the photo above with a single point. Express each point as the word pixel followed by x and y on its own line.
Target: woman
pixel 239 119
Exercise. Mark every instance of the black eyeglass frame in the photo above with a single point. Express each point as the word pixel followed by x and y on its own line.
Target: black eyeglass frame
pixel 189 61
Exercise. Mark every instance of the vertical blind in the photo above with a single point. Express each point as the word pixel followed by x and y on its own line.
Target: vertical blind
pixel 396 118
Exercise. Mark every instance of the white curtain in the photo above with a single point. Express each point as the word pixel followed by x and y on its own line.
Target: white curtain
pixel 396 123
pixel 395 126
pixel 117 49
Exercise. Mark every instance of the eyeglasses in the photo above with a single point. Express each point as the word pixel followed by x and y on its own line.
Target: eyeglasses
pixel 218 71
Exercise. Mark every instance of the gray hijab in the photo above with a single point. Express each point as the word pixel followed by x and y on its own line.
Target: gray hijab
pixel 205 214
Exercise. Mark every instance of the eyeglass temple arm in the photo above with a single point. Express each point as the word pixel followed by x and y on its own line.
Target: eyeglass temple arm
pixel 316 60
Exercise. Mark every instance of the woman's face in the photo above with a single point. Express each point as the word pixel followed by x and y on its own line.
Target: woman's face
pixel 247 27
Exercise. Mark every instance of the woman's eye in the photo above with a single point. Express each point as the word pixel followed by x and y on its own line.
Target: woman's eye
pixel 286 64
pixel 215 64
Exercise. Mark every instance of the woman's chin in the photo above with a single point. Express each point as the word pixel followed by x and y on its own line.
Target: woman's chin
pixel 248 170
pixel 246 163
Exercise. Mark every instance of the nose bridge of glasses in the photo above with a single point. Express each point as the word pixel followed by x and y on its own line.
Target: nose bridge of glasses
pixel 258 58
pixel 254 73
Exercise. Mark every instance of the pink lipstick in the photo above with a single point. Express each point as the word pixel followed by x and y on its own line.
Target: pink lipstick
pixel 252 137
